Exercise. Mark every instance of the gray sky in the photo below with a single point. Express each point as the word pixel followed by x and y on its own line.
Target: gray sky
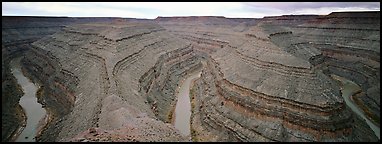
pixel 152 9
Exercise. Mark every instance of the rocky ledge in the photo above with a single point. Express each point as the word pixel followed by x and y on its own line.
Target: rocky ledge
pixel 114 79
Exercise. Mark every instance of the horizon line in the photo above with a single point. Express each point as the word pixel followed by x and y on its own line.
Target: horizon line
pixel 57 16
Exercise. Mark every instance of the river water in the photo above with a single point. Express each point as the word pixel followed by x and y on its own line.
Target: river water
pixel 348 89
pixel 33 109
pixel 183 105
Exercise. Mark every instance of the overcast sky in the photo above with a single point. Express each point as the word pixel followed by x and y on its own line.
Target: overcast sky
pixel 151 9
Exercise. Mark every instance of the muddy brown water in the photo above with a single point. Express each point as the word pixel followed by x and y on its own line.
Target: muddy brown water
pixel 348 88
pixel 33 109
pixel 183 105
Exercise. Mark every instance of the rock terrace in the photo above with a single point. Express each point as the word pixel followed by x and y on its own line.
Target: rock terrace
pixel 114 79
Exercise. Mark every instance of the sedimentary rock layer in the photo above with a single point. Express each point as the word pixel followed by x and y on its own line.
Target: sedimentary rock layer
pixel 114 79
pixel 137 63
pixel 17 35
pixel 267 83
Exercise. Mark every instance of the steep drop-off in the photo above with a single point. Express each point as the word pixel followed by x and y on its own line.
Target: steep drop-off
pixel 269 82
pixel 114 79
pixel 108 74
pixel 17 35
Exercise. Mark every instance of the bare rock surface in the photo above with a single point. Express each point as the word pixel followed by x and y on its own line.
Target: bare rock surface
pixel 114 79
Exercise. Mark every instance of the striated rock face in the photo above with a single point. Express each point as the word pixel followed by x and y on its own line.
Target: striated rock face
pixel 12 114
pixel 113 79
pixel 345 44
pixel 351 50
pixel 109 73
pixel 17 35
pixel 269 82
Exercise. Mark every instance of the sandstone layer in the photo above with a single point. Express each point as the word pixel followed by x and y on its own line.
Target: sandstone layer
pixel 114 79
pixel 270 82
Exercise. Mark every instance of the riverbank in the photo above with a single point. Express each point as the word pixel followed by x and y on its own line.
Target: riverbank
pixel 30 107
pixel 48 118
pixel 23 122
pixel 183 109
pixel 192 101
pixel 12 113
pixel 198 132
pixel 172 114
pixel 349 89
pixel 357 99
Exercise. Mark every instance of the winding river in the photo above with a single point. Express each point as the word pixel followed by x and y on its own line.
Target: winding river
pixel 348 89
pixel 33 109
pixel 35 112
pixel 183 105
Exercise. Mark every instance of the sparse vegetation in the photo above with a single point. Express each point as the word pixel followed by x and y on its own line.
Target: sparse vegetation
pixel 170 115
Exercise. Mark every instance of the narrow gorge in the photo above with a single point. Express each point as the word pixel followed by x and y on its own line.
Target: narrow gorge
pixel 34 112
pixel 260 79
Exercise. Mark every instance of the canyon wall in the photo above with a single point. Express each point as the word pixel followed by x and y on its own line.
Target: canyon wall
pixel 17 35
pixel 112 76
pixel 270 82
pixel 114 79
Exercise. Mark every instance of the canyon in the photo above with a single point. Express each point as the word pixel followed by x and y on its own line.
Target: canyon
pixel 262 79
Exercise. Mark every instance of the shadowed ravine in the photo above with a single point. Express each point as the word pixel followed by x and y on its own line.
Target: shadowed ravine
pixel 32 108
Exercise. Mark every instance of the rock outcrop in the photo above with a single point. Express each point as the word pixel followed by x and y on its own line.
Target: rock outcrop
pixel 17 35
pixel 269 82
pixel 114 79
pixel 137 63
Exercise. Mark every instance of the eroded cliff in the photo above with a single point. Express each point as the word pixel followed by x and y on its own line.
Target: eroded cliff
pixel 114 79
